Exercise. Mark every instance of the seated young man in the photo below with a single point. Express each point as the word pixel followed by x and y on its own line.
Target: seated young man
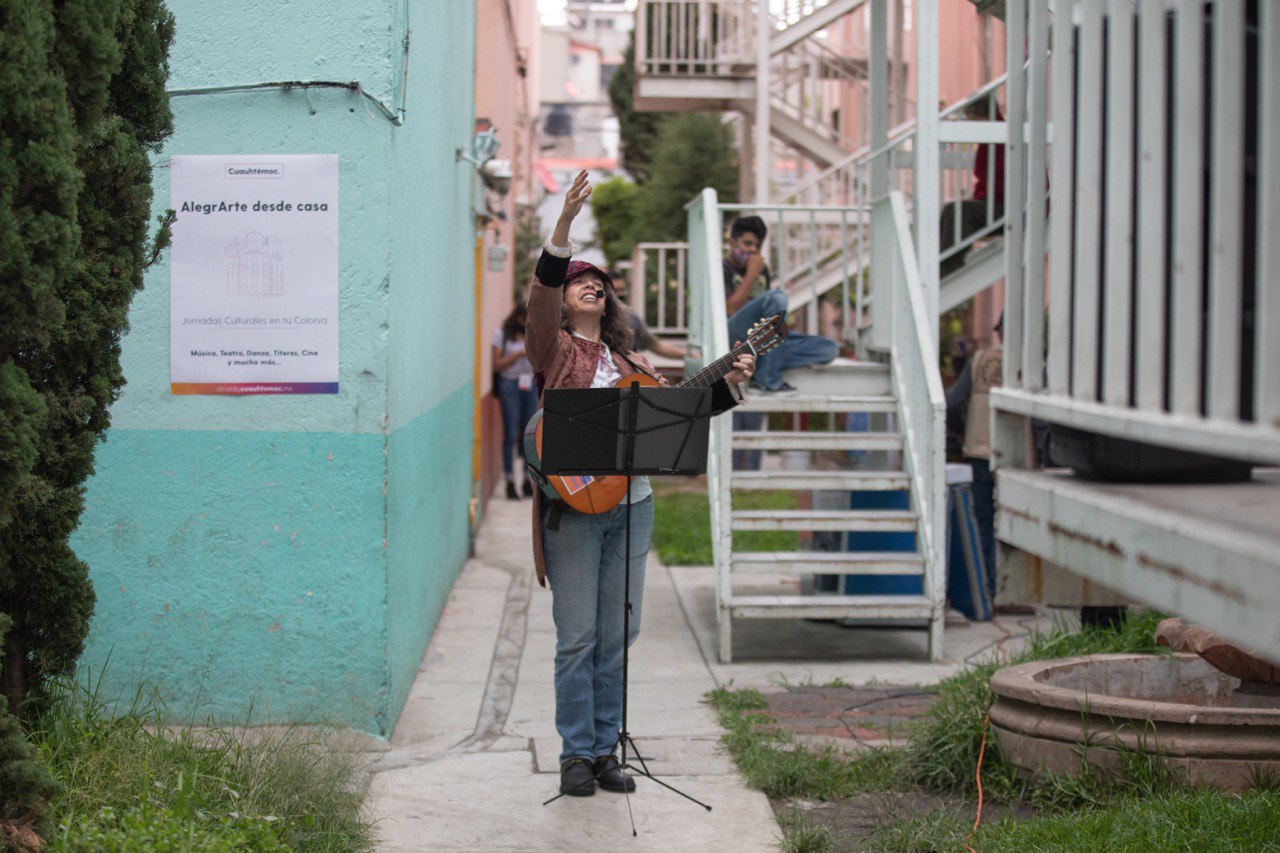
pixel 749 298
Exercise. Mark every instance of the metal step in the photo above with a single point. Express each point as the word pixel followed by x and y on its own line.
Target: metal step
pixel 764 402
pixel 827 563
pixel 829 606
pixel 789 440
pixel 840 481
pixel 824 519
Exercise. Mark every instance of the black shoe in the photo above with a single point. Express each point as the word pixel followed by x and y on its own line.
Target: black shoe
pixel 527 489
pixel 610 776
pixel 577 778
pixel 512 494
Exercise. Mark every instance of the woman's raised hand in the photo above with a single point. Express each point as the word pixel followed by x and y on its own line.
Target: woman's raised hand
pixel 576 196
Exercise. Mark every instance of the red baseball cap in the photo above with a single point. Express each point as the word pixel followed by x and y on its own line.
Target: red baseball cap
pixel 577 268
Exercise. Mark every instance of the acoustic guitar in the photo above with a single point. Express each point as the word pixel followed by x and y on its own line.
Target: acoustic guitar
pixel 593 495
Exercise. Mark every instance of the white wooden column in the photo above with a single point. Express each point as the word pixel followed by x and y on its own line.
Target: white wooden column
pixel 1015 190
pixel 764 29
pixel 1061 254
pixel 898 72
pixel 1037 174
pixel 1267 341
pixel 927 155
pixel 1187 308
pixel 880 80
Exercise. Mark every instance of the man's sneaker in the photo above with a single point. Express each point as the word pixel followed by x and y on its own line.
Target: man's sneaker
pixel 577 778
pixel 610 776
pixel 527 489
pixel 512 494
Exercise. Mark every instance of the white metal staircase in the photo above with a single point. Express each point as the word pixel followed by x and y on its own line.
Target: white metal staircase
pixel 902 397
pixel 844 234
pixel 700 55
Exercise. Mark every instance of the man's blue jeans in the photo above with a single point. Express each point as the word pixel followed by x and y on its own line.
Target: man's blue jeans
pixel 797 350
pixel 586 570
pixel 517 407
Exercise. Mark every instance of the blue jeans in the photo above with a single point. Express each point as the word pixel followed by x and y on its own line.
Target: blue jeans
pixel 586 570
pixel 984 513
pixel 517 407
pixel 798 350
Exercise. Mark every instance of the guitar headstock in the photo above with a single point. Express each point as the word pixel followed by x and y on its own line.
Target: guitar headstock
pixel 767 334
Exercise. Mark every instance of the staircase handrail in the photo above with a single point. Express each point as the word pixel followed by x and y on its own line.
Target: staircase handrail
pixel 709 340
pixel 917 383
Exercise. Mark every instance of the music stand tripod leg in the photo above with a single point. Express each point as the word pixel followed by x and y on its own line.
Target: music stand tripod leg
pixel 624 736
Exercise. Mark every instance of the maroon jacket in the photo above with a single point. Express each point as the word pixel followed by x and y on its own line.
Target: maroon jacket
pixel 565 361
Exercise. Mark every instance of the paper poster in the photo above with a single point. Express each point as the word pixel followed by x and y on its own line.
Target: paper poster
pixel 253 277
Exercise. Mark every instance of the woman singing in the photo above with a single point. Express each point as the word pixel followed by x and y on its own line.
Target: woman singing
pixel 578 336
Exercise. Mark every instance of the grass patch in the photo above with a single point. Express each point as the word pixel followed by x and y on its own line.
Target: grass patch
pixel 801 835
pixel 1141 805
pixel 771 761
pixel 1192 821
pixel 944 744
pixel 130 783
pixel 682 526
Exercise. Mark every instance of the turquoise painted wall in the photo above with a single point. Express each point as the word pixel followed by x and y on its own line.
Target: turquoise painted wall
pixel 288 556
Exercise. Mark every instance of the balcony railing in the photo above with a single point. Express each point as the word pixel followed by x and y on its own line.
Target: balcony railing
pixel 1163 318
pixel 695 38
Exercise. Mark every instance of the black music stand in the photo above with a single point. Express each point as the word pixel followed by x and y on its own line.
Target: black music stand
pixel 628 432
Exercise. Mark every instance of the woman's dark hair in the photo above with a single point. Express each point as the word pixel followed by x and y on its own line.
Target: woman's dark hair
pixel 615 328
pixel 513 326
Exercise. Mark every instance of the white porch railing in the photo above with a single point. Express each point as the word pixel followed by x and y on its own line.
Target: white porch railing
pixel 813 251
pixel 1163 316
pixel 917 386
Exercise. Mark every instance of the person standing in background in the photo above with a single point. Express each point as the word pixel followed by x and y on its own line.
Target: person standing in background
pixel 517 394
pixel 971 394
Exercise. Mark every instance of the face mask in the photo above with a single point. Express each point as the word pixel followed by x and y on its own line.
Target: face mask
pixel 739 256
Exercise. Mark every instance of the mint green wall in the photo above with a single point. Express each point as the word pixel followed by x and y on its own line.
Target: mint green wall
pixel 431 341
pixel 290 555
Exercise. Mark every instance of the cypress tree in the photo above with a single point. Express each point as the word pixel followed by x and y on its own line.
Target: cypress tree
pixel 694 150
pixel 110 57
pixel 637 131
pixel 26 785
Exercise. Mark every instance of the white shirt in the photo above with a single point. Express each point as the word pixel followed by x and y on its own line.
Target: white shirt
pixel 607 376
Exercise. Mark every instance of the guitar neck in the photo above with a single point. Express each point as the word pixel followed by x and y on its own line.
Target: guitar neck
pixel 714 371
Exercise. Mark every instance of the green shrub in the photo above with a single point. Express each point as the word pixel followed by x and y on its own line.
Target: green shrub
pixel 302 780
pixel 26 786
pixel 944 746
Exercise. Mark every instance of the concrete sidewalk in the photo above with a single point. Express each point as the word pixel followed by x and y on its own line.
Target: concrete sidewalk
pixel 475 751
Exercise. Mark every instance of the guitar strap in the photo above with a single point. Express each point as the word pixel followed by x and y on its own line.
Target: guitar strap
pixel 635 367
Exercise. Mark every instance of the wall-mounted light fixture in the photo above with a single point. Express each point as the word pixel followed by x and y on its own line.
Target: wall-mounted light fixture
pixel 496 174
pixel 483 147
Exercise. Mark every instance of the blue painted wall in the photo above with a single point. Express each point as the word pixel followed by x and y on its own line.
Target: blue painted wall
pixel 287 557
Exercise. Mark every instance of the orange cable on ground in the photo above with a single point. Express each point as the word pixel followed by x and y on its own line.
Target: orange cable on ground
pixel 982 752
